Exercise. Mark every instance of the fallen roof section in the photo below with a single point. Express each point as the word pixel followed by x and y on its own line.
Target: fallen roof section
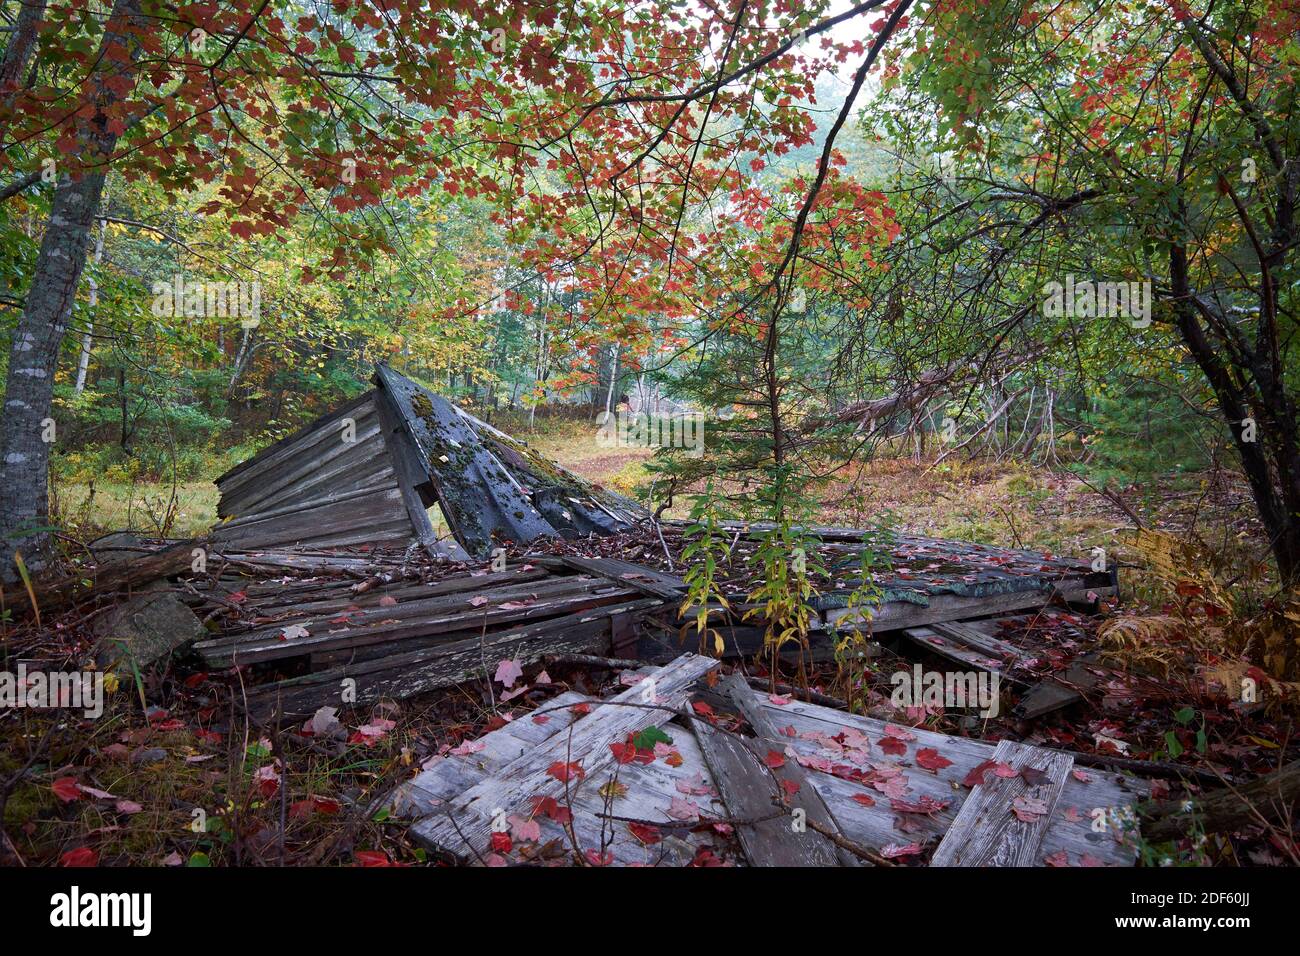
pixel 368 473
pixel 623 783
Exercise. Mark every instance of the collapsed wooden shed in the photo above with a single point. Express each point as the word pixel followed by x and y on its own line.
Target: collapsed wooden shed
pixel 374 470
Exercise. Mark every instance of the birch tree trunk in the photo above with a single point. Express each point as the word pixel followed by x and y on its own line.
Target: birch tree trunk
pixel 88 340
pixel 34 353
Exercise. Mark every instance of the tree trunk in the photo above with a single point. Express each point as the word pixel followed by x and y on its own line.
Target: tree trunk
pixel 613 378
pixel 88 340
pixel 18 53
pixel 241 359
pixel 33 356
pixel 1271 463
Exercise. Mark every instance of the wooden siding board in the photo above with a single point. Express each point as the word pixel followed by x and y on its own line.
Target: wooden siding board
pixel 286 446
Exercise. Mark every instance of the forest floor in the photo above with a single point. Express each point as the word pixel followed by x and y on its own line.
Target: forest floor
pixel 127 793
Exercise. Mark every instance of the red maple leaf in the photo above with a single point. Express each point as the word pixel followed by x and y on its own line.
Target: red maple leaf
pixel 930 759
pixel 373 858
pixel 647 834
pixel 564 772
pixel 550 807
pixel 67 789
pixel 81 856
pixel 893 746
pixel 976 776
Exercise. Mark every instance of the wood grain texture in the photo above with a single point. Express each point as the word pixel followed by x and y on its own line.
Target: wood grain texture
pixel 1070 829
pixel 402 675
pixel 751 793
pixel 403 624
pixel 987 831
pixel 819 850
pixel 463 831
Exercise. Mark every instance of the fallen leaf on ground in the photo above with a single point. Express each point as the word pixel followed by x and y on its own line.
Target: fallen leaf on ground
pixel 930 759
pixel 508 672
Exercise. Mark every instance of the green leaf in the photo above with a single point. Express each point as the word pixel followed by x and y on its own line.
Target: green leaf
pixel 1172 745
pixel 647 738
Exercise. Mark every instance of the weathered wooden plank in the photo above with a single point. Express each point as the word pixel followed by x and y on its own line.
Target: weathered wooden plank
pixel 368 518
pixel 416 672
pixel 956 651
pixel 898 615
pixel 471 624
pixel 1054 693
pixel 804 795
pixel 516 601
pixel 751 793
pixel 464 830
pixel 652 582
pixel 287 447
pixel 362 463
pixel 872 823
pixel 973 637
pixel 228 526
pixel 303 560
pixel 446 777
pixel 987 831
pixel 417 496
pixel 403 593
pixel 972 645
pixel 321 452
pixel 647 793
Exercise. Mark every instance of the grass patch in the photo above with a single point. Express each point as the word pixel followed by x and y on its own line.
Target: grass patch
pixel 88 508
